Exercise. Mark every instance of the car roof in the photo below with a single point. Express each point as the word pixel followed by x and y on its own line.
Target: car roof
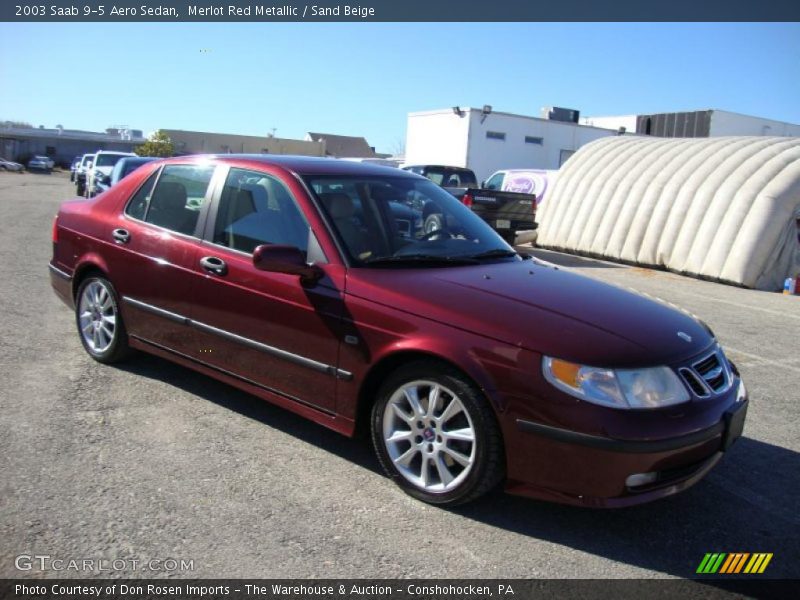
pixel 429 166
pixel 305 165
pixel 135 158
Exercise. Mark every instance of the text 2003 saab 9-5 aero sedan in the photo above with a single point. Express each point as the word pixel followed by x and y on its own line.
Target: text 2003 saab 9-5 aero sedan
pixel 319 290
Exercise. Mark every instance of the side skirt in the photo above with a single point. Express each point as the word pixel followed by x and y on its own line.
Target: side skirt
pixel 323 417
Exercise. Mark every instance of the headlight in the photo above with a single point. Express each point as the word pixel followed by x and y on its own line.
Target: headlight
pixel 618 388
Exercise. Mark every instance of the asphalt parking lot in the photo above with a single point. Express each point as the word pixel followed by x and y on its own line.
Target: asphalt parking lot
pixel 150 460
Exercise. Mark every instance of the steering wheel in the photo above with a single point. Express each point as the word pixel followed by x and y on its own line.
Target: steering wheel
pixel 434 233
pixel 434 226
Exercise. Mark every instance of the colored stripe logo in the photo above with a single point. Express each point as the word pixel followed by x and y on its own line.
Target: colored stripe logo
pixel 734 562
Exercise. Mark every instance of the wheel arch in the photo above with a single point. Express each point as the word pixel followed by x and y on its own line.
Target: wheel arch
pixel 87 266
pixel 367 394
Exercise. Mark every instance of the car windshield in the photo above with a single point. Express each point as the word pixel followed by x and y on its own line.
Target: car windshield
pixel 404 221
pixel 107 160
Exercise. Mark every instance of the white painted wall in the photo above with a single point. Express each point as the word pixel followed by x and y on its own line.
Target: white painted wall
pixel 437 137
pixel 442 137
pixel 486 155
pixel 626 121
pixel 728 123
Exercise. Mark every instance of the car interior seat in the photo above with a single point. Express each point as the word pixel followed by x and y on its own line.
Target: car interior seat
pixel 168 208
pixel 342 210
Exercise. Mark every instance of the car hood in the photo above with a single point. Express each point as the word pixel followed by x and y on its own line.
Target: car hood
pixel 543 308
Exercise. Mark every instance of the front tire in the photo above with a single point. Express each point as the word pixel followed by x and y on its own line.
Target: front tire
pixel 100 325
pixel 436 435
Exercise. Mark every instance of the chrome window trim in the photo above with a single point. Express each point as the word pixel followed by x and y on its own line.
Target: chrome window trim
pixel 250 343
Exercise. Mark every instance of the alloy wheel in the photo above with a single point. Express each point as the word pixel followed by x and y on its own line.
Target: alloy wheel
pixel 97 317
pixel 429 436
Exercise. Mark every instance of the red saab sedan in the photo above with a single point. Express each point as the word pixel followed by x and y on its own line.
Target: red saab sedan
pixel 315 284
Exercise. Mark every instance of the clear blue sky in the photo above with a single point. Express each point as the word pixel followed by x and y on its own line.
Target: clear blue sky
pixel 363 78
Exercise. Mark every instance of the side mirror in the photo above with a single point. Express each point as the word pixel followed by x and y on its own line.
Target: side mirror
pixel 277 258
pixel 483 184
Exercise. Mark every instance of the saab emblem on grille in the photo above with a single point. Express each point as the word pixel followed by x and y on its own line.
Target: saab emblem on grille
pixel 684 336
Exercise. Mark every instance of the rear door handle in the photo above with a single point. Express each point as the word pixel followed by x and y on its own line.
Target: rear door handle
pixel 214 264
pixel 121 236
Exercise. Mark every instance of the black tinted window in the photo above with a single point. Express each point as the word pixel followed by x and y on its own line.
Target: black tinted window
pixel 137 207
pixel 256 209
pixel 131 166
pixel 178 197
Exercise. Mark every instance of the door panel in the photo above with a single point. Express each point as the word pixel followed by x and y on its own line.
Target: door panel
pixel 156 261
pixel 266 327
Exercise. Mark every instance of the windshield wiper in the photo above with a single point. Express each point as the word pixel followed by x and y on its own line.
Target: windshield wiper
pixel 496 253
pixel 421 259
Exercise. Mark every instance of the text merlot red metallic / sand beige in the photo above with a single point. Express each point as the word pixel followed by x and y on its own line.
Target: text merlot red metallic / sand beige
pixel 314 284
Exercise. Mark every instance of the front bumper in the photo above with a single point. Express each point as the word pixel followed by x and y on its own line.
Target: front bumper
pixel 587 470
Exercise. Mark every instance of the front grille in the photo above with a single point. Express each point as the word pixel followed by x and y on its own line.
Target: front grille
pixel 694 382
pixel 708 376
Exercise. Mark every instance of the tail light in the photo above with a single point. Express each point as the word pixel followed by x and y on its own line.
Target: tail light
pixel 55 229
pixel 466 200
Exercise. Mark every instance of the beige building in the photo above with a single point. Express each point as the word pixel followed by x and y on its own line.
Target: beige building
pixel 343 146
pixel 200 142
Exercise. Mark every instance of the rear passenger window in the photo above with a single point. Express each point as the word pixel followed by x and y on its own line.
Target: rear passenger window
pixel 137 207
pixel 177 199
pixel 256 209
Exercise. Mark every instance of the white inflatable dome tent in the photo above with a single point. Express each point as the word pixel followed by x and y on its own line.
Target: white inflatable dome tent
pixel 726 209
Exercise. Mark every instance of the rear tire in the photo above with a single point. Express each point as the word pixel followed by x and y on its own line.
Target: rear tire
pixel 436 436
pixel 99 321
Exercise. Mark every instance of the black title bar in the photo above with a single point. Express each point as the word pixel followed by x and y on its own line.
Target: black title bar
pixel 392 589
pixel 399 10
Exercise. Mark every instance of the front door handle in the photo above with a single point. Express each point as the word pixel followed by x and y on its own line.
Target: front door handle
pixel 121 236
pixel 213 264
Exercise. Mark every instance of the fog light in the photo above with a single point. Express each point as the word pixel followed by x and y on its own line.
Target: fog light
pixel 638 479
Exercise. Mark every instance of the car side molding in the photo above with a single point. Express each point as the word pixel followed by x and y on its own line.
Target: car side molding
pixel 250 343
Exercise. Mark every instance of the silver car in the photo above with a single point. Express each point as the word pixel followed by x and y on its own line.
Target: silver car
pixel 10 165
pixel 41 163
